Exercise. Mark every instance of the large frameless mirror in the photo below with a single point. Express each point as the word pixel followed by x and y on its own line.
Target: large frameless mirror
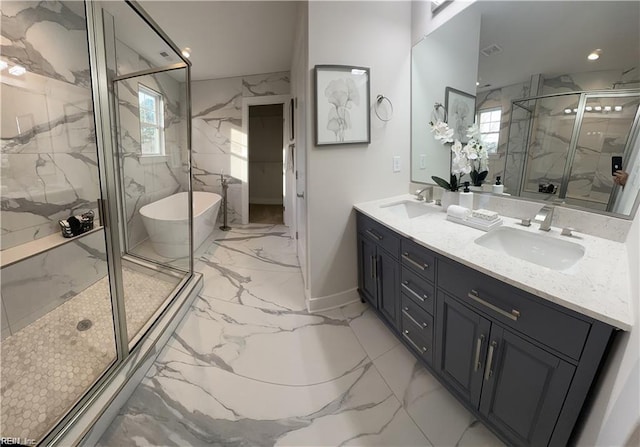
pixel 554 121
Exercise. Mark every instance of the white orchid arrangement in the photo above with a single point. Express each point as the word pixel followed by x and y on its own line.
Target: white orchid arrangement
pixel 470 159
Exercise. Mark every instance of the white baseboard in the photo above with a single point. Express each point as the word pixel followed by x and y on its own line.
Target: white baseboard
pixel 265 201
pixel 332 301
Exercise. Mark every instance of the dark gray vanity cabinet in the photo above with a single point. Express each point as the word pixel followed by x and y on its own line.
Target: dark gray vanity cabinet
pixel 379 269
pixel 523 365
pixel 518 386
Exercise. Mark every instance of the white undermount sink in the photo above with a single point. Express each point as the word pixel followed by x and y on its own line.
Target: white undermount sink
pixel 407 209
pixel 540 249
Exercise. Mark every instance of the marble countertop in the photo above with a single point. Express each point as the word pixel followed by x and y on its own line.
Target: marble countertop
pixel 596 286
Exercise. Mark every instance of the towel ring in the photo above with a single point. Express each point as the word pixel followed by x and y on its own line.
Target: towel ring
pixel 437 114
pixel 376 107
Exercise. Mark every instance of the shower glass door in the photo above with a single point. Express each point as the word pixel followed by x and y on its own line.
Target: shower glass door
pixel 57 325
pixel 605 130
pixel 150 112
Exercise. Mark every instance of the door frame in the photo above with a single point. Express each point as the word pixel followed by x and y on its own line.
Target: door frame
pixel 287 199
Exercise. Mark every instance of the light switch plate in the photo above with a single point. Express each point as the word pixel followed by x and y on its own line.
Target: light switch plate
pixel 396 163
pixel 423 161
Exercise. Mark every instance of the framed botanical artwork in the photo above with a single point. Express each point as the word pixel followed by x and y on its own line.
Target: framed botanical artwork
pixel 342 105
pixel 461 111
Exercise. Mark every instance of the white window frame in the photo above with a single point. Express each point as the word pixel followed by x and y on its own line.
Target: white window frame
pixel 482 134
pixel 159 149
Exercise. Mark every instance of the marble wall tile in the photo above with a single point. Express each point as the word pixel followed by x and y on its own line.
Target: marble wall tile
pixel 218 142
pixel 147 179
pixel 49 168
pixel 35 286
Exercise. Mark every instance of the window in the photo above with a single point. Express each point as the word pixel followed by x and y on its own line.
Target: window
pixel 490 129
pixel 151 121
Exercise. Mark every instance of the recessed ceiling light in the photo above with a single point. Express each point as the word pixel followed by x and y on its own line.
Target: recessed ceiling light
pixel 3 65
pixel 588 108
pixel 477 83
pixel 567 110
pixel 598 108
pixel 575 110
pixel 186 52
pixel 594 55
pixel 607 108
pixel 17 70
pixel 618 108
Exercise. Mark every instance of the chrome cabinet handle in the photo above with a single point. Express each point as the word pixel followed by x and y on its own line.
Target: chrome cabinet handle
pixel 477 363
pixel 413 320
pixel 513 315
pixel 413 292
pixel 373 266
pixel 374 235
pixel 300 195
pixel 423 266
pixel 487 370
pixel 406 335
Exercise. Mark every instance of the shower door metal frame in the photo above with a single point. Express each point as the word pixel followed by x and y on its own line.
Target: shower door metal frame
pixel 577 125
pixel 110 210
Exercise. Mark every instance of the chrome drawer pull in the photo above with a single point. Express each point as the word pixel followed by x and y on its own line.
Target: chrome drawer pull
pixel 424 266
pixel 477 363
pixel 413 320
pixel 487 370
pixel 513 315
pixel 413 292
pixel 423 349
pixel 374 235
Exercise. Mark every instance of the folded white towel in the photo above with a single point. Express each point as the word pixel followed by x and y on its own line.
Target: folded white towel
pixel 458 211
pixel 487 215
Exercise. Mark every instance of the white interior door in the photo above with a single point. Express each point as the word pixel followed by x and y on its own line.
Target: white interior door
pixel 301 186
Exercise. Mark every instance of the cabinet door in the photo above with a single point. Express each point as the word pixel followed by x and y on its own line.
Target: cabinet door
pixel 388 272
pixel 461 346
pixel 366 270
pixel 524 389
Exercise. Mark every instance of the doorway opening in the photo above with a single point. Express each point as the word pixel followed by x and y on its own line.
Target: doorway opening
pixel 265 153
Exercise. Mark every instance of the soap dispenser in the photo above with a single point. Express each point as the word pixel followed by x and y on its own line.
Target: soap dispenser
pixel 498 188
pixel 466 197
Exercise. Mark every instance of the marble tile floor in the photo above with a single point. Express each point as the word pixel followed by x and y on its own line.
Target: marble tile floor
pixel 49 364
pixel 249 366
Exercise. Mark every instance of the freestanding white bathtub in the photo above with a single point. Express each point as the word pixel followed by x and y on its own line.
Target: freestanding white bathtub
pixel 167 222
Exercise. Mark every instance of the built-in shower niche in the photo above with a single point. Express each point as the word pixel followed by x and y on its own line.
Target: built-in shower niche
pixel 48 151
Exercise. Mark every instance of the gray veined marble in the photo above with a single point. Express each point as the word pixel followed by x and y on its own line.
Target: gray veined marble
pixel 49 165
pixel 265 372
pixel 219 146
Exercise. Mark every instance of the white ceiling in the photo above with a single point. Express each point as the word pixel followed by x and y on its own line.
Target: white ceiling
pixel 554 38
pixel 229 38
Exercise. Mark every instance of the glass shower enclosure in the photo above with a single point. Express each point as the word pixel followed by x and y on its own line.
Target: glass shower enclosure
pixel 95 118
pixel 561 146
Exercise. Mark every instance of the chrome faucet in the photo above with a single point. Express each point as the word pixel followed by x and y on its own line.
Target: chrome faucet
pixel 543 217
pixel 419 193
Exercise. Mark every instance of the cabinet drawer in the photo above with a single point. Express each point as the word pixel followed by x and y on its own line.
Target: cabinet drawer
pixel 515 308
pixel 419 290
pixel 418 259
pixel 380 234
pixel 419 338
pixel 414 314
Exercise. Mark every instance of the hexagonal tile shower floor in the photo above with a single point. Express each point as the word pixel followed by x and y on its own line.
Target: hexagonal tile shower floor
pixel 49 364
